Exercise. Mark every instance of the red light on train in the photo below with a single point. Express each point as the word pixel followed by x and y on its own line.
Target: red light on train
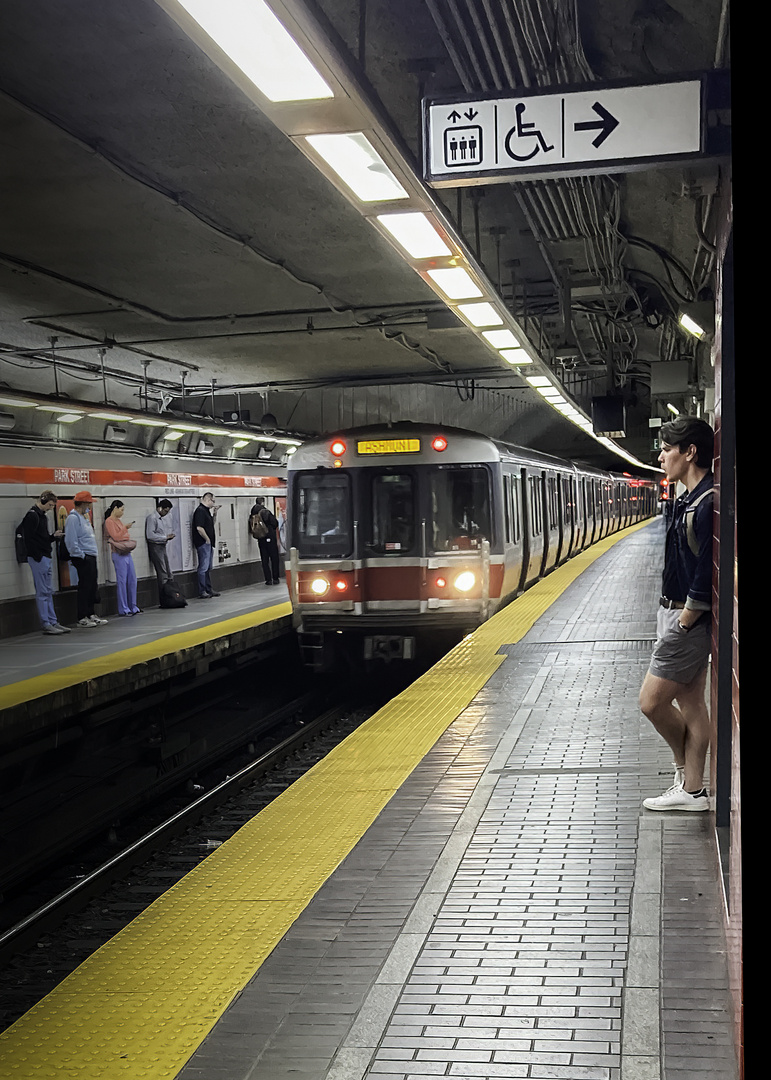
pixel 338 447
pixel 439 443
pixel 341 585
pixel 441 582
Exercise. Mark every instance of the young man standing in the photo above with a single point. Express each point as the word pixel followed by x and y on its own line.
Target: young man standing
pixel 678 667
pixel 268 543
pixel 38 542
pixel 81 544
pixel 204 538
pixel 157 538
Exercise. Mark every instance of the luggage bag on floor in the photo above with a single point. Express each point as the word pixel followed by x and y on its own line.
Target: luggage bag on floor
pixel 171 597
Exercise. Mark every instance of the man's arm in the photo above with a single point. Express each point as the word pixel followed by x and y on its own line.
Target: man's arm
pixel 699 599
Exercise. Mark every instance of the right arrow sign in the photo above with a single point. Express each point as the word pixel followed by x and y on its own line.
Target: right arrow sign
pixel 606 124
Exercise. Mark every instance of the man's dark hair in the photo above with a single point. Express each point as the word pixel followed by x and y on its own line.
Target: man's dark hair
pixel 207 494
pixel 164 504
pixel 687 431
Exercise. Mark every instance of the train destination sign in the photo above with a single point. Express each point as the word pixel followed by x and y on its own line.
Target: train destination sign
pixel 594 129
pixel 388 446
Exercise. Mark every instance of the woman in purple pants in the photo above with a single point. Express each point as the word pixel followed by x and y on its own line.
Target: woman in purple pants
pixel 121 546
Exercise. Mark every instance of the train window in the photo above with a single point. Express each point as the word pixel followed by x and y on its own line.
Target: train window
pixel 516 514
pixel 393 513
pixel 567 499
pixel 323 515
pixel 553 515
pixel 536 506
pixel 460 508
pixel 507 507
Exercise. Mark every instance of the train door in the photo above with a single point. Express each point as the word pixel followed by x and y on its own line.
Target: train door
pixel 390 540
pixel 532 488
pixel 551 522
pixel 512 576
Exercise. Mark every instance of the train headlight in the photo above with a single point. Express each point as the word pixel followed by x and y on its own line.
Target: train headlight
pixel 466 581
pixel 319 586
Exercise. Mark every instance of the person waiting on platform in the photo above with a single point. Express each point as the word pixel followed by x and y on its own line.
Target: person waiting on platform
pixel 121 546
pixel 81 545
pixel 678 667
pixel 38 541
pixel 204 538
pixel 263 527
pixel 157 538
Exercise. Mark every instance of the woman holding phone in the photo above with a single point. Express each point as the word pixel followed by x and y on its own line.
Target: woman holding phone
pixel 121 546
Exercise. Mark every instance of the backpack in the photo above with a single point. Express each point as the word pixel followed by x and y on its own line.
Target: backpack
pixel 688 514
pixel 62 551
pixel 170 596
pixel 21 543
pixel 257 526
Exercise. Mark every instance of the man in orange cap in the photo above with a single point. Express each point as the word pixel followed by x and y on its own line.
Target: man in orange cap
pixel 81 544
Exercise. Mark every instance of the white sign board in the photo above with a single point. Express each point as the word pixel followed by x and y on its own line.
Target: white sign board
pixel 535 134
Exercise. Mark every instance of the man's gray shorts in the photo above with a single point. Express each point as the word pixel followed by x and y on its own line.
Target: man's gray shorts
pixel 678 655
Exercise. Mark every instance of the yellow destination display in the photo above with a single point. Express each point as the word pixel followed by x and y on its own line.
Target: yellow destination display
pixel 388 446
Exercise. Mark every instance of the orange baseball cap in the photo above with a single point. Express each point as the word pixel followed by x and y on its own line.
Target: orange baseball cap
pixel 83 496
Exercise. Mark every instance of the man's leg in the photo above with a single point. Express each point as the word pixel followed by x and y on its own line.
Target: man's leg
pixel 684 727
pixel 203 566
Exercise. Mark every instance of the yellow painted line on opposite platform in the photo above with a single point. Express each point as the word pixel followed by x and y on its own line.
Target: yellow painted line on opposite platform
pixel 95 666
pixel 143 1003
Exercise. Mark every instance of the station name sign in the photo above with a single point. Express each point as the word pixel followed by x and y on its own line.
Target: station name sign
pixel 597 128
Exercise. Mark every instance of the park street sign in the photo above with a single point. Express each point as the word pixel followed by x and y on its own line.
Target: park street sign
pixel 599 128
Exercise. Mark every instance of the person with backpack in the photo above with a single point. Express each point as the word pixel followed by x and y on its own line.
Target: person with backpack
pixel 678 667
pixel 263 528
pixel 36 543
pixel 81 545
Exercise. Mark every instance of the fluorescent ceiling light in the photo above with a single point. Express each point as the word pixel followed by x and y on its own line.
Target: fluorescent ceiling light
pixel 69 418
pixel 501 339
pixel 673 410
pixel 455 283
pixel 257 43
pixel 58 408
pixel 416 234
pixel 212 431
pixel 481 314
pixel 172 435
pixel 19 403
pixel 516 356
pixel 148 422
pixel 239 435
pixel 240 442
pixel 359 166
pixel 539 380
pixel 692 327
pixel 185 427
pixel 109 416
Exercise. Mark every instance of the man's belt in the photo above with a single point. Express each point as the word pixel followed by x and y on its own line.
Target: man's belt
pixel 664 602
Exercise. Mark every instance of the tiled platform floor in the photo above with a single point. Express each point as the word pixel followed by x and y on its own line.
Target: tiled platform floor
pixel 514 912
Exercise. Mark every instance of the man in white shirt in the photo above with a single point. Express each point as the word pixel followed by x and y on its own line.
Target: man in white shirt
pixel 157 538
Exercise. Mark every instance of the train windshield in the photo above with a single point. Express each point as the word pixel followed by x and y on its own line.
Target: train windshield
pixel 323 515
pixel 393 513
pixel 460 508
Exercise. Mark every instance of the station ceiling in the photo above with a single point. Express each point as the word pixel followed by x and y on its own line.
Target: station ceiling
pixel 162 237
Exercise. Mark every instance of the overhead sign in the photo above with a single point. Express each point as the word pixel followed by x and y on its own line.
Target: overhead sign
pixel 388 446
pixel 596 129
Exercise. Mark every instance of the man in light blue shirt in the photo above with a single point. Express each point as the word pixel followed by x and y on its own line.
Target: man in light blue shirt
pixel 81 545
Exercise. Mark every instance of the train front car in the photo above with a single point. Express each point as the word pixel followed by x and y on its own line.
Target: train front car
pixel 392 541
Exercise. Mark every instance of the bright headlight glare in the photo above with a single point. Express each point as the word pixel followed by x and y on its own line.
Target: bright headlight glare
pixel 319 586
pixel 466 581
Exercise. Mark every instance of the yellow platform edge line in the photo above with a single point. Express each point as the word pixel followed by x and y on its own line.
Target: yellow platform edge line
pixel 43 685
pixel 143 1003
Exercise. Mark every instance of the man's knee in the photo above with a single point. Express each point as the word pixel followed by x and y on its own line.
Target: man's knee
pixel 655 694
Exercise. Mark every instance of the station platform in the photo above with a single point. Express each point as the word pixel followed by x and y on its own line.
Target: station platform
pixel 467 887
pixel 44 678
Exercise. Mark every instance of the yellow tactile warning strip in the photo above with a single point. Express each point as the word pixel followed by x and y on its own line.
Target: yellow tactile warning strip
pixel 142 1004
pixel 94 667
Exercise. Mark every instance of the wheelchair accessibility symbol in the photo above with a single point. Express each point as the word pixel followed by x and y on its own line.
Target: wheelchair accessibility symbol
pixel 517 141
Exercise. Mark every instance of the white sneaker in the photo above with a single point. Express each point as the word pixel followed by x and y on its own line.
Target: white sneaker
pixel 86 621
pixel 677 799
pixel 96 621
pixel 49 628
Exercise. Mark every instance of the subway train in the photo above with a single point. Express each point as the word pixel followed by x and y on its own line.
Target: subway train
pixel 403 538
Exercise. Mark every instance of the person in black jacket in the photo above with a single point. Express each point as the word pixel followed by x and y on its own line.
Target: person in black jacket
pixel 204 538
pixel 261 519
pixel 38 541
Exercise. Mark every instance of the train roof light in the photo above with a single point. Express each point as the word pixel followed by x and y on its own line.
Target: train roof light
pixel 416 234
pixel 338 447
pixel 456 283
pixel 439 443
pixel 258 43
